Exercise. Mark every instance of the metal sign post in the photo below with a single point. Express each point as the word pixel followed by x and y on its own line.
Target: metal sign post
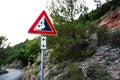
pixel 42 65
pixel 43 26
pixel 43 47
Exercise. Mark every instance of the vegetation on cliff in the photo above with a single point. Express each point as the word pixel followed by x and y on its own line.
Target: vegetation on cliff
pixel 77 40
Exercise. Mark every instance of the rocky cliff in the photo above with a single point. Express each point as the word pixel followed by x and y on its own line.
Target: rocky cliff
pixel 106 61
pixel 112 20
pixel 103 65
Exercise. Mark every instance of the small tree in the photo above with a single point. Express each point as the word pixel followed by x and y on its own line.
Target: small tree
pixel 2 49
pixel 98 2
pixel 73 33
pixel 2 41
pixel 63 13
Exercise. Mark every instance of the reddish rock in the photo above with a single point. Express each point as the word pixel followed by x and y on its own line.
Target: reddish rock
pixel 112 20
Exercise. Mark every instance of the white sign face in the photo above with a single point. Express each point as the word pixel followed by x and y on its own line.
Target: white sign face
pixel 41 24
pixel 43 42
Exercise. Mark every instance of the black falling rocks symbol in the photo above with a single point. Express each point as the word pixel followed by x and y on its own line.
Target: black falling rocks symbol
pixel 38 25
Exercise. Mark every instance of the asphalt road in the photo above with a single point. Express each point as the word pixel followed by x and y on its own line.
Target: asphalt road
pixel 13 74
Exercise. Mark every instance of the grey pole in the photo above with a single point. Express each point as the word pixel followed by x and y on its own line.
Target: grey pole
pixel 42 64
pixel 43 47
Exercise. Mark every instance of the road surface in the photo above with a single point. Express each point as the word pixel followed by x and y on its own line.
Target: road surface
pixel 12 74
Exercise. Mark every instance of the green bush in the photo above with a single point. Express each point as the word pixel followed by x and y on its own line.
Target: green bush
pixel 25 51
pixel 99 12
pixel 114 38
pixel 74 73
pixel 3 71
pixel 61 48
pixel 97 72
pixel 71 52
pixel 36 70
pixel 102 34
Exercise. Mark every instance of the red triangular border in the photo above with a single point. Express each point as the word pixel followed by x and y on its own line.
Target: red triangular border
pixel 43 32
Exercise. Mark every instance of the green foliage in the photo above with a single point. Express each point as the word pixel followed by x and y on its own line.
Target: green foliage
pixel 31 49
pixel 74 73
pixel 38 60
pixel 114 38
pixel 107 37
pixel 74 35
pixel 61 48
pixel 67 9
pixel 102 34
pixel 25 51
pixel 2 41
pixel 63 14
pixel 2 71
pixel 61 66
pixel 15 52
pixel 3 54
pixel 36 70
pixel 96 72
pixel 72 46
pixel 32 73
pixel 99 12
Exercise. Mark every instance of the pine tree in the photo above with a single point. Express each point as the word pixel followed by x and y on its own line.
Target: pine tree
pixel 64 13
pixel 98 2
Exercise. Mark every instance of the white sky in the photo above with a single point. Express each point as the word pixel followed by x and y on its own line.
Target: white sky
pixel 17 16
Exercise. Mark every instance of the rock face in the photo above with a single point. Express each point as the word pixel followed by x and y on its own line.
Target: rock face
pixel 112 21
pixel 17 64
pixel 108 57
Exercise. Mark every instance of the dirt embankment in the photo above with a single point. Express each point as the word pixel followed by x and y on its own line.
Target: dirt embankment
pixel 112 20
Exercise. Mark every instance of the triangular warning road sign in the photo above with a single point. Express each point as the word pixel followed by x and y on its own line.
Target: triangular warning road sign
pixel 43 25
